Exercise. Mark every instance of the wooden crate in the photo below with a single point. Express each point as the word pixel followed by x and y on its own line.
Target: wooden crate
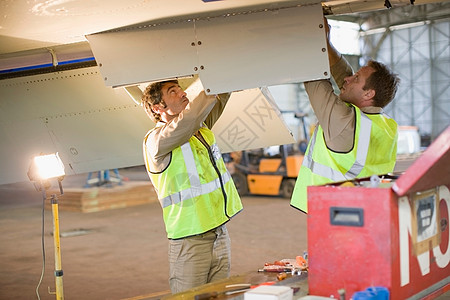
pixel 92 199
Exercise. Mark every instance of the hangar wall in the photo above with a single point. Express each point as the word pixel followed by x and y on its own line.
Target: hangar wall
pixel 415 43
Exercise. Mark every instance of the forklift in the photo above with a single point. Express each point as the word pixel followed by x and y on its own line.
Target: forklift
pixel 267 172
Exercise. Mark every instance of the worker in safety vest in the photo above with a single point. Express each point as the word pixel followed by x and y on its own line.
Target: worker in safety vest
pixel 194 188
pixel 354 137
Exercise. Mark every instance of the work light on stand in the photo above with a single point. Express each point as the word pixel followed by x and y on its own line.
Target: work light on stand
pixel 43 169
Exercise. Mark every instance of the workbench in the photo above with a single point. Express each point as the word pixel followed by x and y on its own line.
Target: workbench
pixel 299 282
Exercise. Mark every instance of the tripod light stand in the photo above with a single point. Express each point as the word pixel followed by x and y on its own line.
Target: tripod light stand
pixel 41 171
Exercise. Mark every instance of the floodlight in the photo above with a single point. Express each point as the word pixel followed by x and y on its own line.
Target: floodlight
pixel 46 167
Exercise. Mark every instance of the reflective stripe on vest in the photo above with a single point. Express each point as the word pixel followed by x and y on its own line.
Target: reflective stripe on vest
pixel 361 155
pixel 196 189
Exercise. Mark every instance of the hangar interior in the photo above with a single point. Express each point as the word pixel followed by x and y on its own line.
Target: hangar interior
pixel 414 42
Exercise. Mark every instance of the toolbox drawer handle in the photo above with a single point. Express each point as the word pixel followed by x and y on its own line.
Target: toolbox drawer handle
pixel 347 216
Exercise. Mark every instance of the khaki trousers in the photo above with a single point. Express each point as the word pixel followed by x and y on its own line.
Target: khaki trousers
pixel 199 259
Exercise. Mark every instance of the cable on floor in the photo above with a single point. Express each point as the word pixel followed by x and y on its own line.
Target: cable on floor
pixel 43 244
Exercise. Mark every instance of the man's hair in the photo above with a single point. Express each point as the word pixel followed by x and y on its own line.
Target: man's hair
pixel 152 96
pixel 384 82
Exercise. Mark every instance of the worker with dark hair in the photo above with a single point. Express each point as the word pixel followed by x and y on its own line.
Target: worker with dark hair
pixel 354 137
pixel 194 188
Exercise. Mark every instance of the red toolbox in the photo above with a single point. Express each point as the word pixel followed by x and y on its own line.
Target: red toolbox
pixel 391 233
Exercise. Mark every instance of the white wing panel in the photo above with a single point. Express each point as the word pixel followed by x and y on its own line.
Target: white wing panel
pixel 147 53
pixel 262 49
pixel 251 120
pixel 229 53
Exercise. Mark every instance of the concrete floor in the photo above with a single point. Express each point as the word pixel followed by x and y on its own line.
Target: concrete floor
pixel 122 253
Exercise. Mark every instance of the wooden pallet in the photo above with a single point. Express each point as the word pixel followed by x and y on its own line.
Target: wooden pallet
pixel 93 199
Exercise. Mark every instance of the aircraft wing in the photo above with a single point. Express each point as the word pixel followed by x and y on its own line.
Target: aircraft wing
pixel 257 125
pixel 94 127
pixel 72 112
pixel 228 52
pixel 27 25
pixel 56 87
pixel 250 120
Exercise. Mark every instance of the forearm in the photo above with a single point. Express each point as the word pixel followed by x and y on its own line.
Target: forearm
pixel 333 55
pixel 340 70
pixel 217 110
pixel 339 66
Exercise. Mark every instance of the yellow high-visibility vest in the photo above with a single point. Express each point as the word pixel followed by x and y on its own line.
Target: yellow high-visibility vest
pixel 374 152
pixel 195 191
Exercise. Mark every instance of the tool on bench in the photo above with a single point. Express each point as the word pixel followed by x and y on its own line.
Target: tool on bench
pixel 281 276
pixel 235 288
